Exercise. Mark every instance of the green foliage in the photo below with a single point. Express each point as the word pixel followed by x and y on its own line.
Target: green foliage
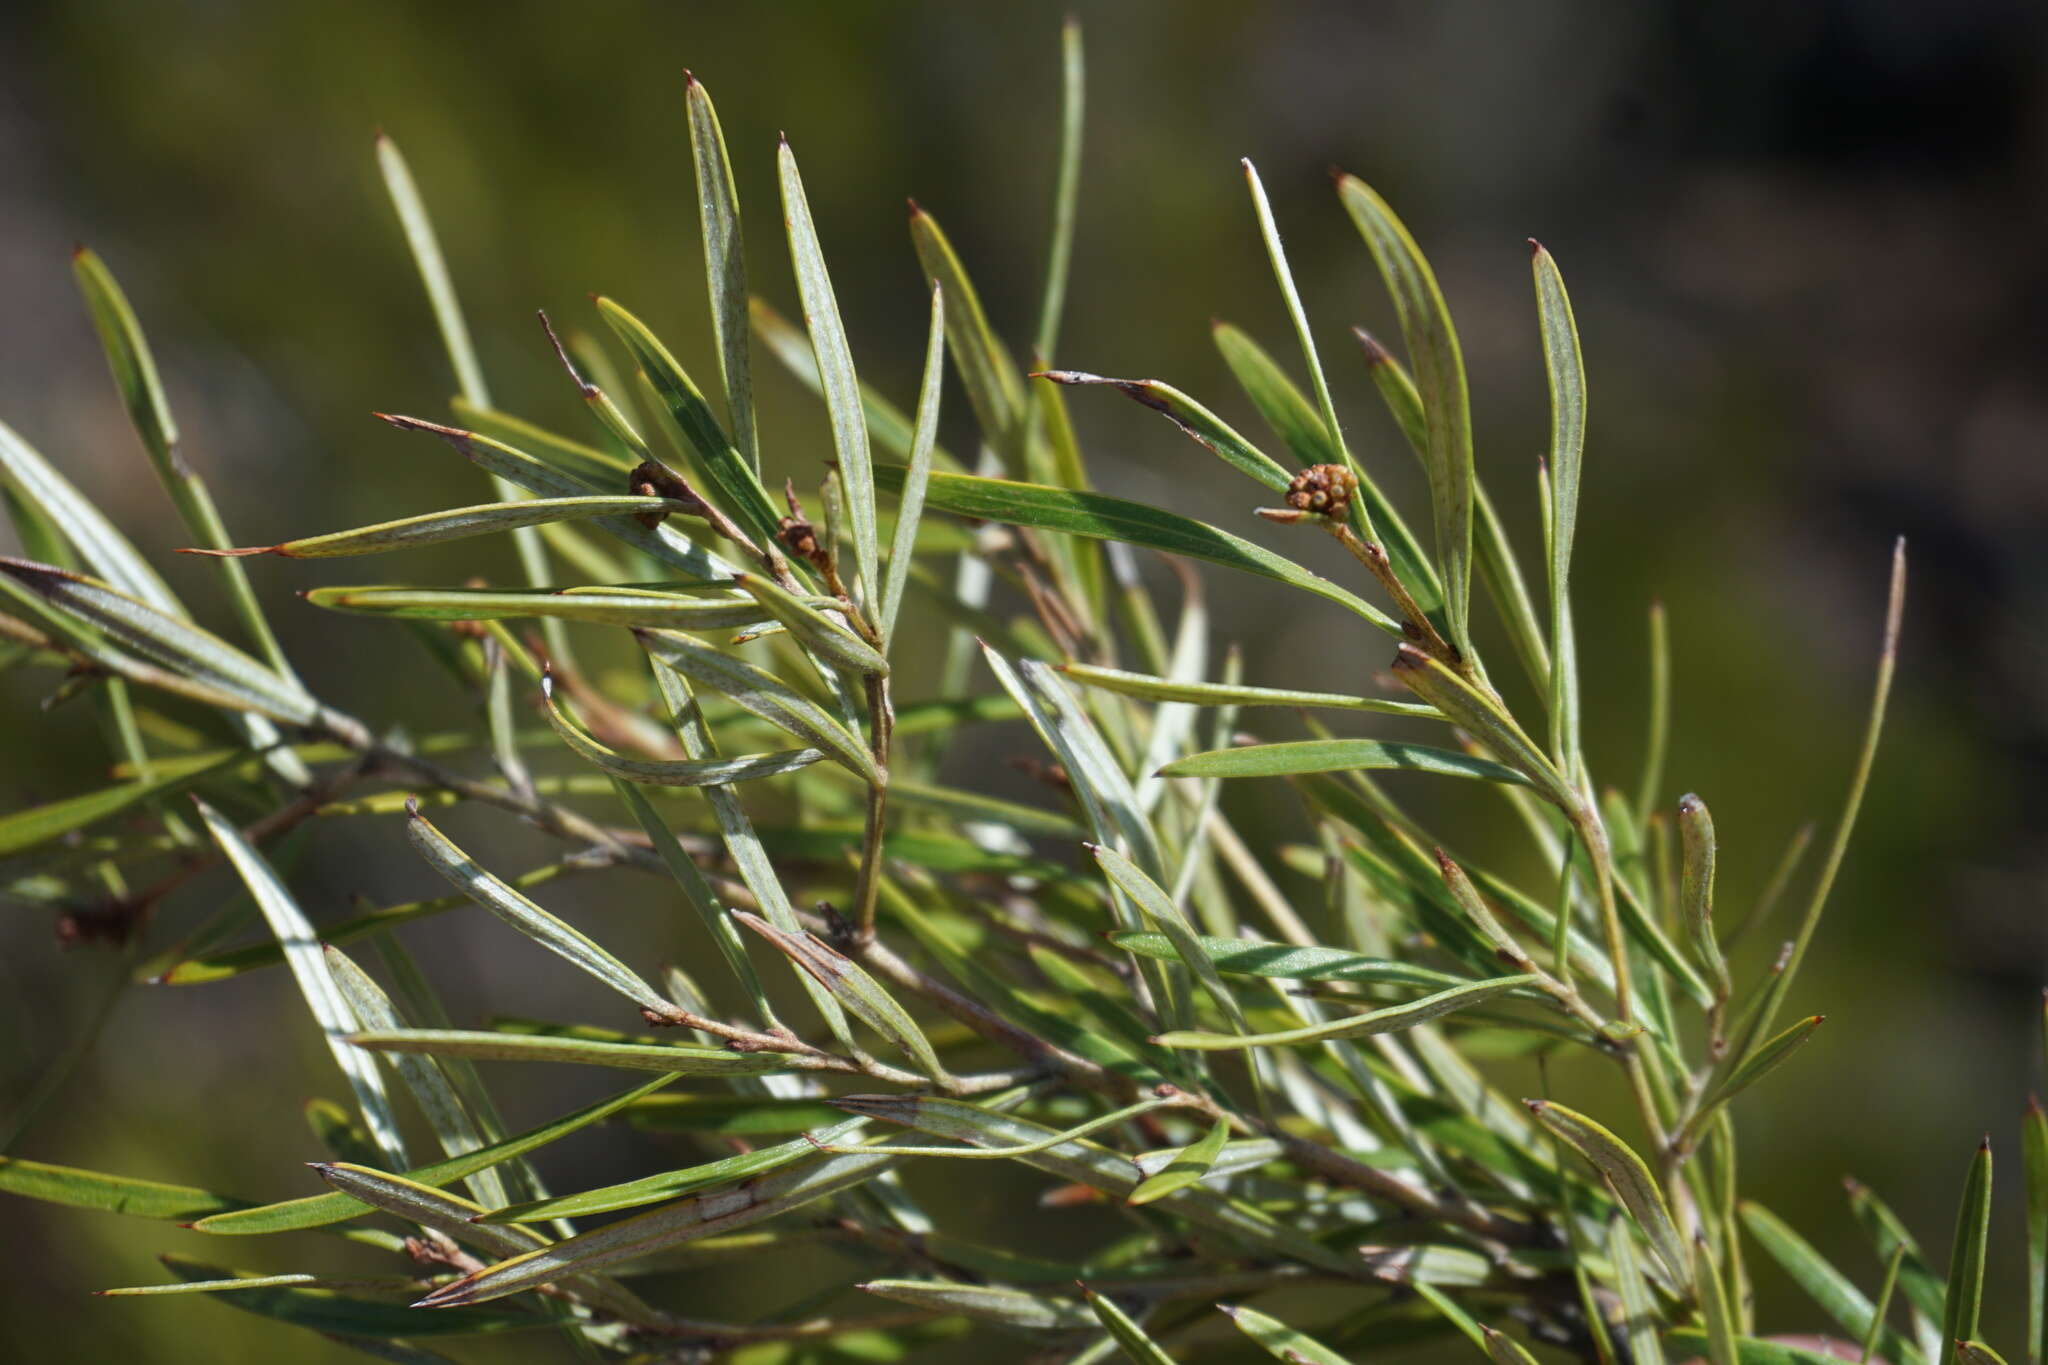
pixel 1298 1099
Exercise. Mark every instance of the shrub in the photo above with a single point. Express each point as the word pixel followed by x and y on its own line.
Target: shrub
pixel 1288 1111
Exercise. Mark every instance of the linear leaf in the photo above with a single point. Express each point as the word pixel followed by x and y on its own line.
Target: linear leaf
pixel 1627 1174
pixel 1338 755
pixel 917 473
pixel 293 1215
pixel 1015 1308
pixel 1758 1065
pixel 1281 1341
pixel 324 1310
pixel 835 370
pixel 1825 1285
pixel 551 932
pixel 83 1189
pixel 1638 1301
pixel 1288 961
pixel 1440 377
pixel 25 829
pixel 302 953
pixel 653 1189
pixel 730 473
pixel 458 1218
pixel 706 772
pixel 183 648
pixel 431 1089
pixel 1200 424
pixel 762 693
pixel 1101 517
pixel 698 1216
pixel 1567 374
pixel 104 548
pixel 484 1045
pixel 725 263
pixel 1964 1305
pixel 860 994
pixel 2034 1155
pixel 826 636
pixel 595 606
pixel 1388 1020
pixel 995 388
pixel 457 523
pixel 1188 1166
pixel 1131 1339
pixel 1151 688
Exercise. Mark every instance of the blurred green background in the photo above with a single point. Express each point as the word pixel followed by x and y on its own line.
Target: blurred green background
pixel 1804 245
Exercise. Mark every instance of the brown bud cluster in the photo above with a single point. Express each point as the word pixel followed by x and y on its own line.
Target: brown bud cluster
pixel 1322 488
pixel 653 479
pixel 800 538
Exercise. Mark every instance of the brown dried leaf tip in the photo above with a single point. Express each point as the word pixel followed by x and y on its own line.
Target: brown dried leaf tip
pixel 1325 489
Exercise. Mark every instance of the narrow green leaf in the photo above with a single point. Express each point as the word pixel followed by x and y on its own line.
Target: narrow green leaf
pixel 135 375
pixel 293 1215
pixel 1961 1311
pixel 82 1189
pixel 98 543
pixel 324 1310
pixel 619 606
pixel 1338 755
pixel 25 829
pixel 1825 1285
pixel 184 649
pixel 1485 719
pixel 917 473
pixel 835 371
pixel 762 693
pixel 1696 898
pixel 431 1089
pixel 860 994
pixel 826 636
pixel 1162 911
pixel 653 1189
pixel 1713 1301
pixel 664 543
pixel 458 1218
pixel 308 964
pixel 1015 1308
pixel 551 932
pixel 1884 1305
pixel 1187 1167
pixel 1760 1063
pixel 1503 1349
pixel 1288 961
pixel 1281 1341
pixel 458 523
pixel 739 487
pixel 1200 424
pixel 1151 688
pixel 1066 187
pixel 1101 517
pixel 1130 1338
pixel 1096 1166
pixel 1276 255
pixel 698 1216
pixel 725 264
pixel 486 1046
pixel 1440 377
pixel 1638 1303
pixel 995 388
pixel 1388 1020
pixel 1890 1238
pixel 1627 1174
pixel 1567 374
pixel 673 772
